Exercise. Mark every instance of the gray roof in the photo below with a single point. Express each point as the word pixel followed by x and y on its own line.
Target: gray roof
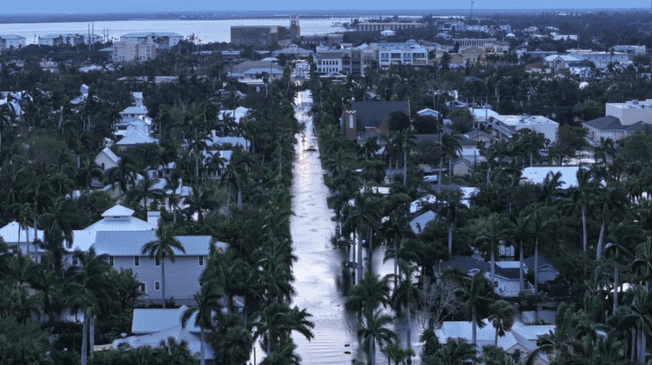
pixel 150 320
pixel 605 123
pixel 372 113
pixel 130 243
pixel 419 223
pixel 543 261
pixel 468 263
pixel 136 138
pixel 11 36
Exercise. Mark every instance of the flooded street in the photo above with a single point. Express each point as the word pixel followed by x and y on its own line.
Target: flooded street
pixel 318 269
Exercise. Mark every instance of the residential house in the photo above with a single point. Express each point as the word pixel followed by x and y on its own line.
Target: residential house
pixel 250 70
pixel 611 127
pixel 547 270
pixel 362 116
pixel 427 112
pixel 507 125
pixel 107 159
pixel 134 137
pixel 151 326
pixel 519 342
pixel 217 142
pixel 560 62
pixel 507 277
pixel 600 59
pixel 124 250
pixel 23 239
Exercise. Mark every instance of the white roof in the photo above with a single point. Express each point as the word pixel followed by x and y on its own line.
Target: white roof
pixel 516 120
pixel 177 332
pixel 135 138
pixel 240 112
pixel 9 233
pixel 415 206
pixel 135 110
pixel 117 218
pixel 537 175
pixel 482 115
pixel 112 156
pixel 150 320
pixel 419 223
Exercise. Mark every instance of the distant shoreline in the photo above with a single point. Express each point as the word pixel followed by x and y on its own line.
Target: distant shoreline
pixel 221 15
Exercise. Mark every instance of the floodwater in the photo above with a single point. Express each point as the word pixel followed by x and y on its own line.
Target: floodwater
pixel 319 279
pixel 318 275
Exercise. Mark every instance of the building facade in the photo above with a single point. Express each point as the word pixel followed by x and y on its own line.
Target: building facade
pixel 9 41
pixel 631 112
pixel 127 51
pixel 408 53
pixel 378 26
pixel 163 40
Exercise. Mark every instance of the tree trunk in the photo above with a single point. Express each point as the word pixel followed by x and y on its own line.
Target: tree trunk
pixel 360 262
pixel 409 331
pixel 450 239
pixel 633 345
pixel 370 354
pixel 520 271
pixel 91 335
pixel 496 337
pixel 536 267
pixel 598 253
pixel 441 167
pixel 493 267
pixel 239 198
pixel 84 339
pixel 584 239
pixel 616 281
pixel 163 279
pixel 405 153
pixel 202 360
pixel 450 171
pixel 228 202
pixel 474 328
pixel 395 263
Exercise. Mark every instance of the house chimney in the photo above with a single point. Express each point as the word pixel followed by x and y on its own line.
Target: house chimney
pixel 153 217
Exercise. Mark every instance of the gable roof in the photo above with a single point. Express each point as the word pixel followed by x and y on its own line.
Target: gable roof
pixel 9 233
pixel 543 261
pixel 372 113
pixel 118 211
pixel 135 138
pixel 110 154
pixel 135 110
pixel 605 123
pixel 130 243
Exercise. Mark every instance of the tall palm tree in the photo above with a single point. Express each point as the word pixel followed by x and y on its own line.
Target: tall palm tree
pixel 376 332
pixel 206 305
pixel 406 139
pixel 494 231
pixel 542 221
pixel 581 197
pixel 476 293
pixel 621 245
pixel 368 294
pixel 609 200
pixel 363 215
pixel 521 231
pixel 237 175
pixel 643 262
pixel 406 295
pixel 162 248
pixel 449 205
pixel 450 149
pixel 88 288
pixel 502 318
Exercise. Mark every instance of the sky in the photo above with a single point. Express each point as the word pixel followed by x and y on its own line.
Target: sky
pixel 114 6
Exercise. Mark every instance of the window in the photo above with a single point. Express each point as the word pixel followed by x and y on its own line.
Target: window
pixel 111 261
pixel 157 262
pixel 143 287
pixel 350 121
pixel 75 261
pixel 201 260
pixel 157 285
pixel 495 284
pixel 136 261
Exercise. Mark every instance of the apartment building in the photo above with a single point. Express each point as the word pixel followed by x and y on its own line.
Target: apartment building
pixel 408 53
pixel 129 51
pixel 631 112
pixel 68 39
pixel 380 26
pixel 163 40
pixel 9 41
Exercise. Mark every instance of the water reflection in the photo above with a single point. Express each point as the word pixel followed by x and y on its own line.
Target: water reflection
pixel 318 268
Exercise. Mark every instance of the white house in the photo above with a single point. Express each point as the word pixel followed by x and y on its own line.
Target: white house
pixel 142 124
pixel 153 325
pixel 9 41
pixel 134 137
pixel 520 341
pixel 547 270
pixel 107 159
pixel 507 125
pixel 22 238
pixel 427 112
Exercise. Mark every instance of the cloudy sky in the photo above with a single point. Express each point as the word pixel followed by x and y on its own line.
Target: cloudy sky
pixel 79 6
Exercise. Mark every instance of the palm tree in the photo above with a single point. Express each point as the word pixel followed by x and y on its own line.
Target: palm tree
pixel 502 318
pixel 581 197
pixel 237 175
pixel 450 149
pixel 197 144
pixel 368 294
pixel 542 221
pixel 476 293
pixel 532 142
pixel 147 191
pixel 449 204
pixel 406 139
pixel 453 353
pixel 406 295
pixel 375 332
pixel 164 247
pixel 520 231
pixel 621 237
pixel 88 288
pixel 609 201
pixel 494 231
pixel 364 214
pixel 643 262
pixel 203 199
pixel 207 303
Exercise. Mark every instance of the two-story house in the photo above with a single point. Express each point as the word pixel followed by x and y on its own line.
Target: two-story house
pixel 362 116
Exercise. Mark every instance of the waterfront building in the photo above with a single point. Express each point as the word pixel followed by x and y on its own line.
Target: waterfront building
pixel 163 40
pixel 129 51
pixel 408 53
pixel 380 26
pixel 9 41
pixel 68 39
